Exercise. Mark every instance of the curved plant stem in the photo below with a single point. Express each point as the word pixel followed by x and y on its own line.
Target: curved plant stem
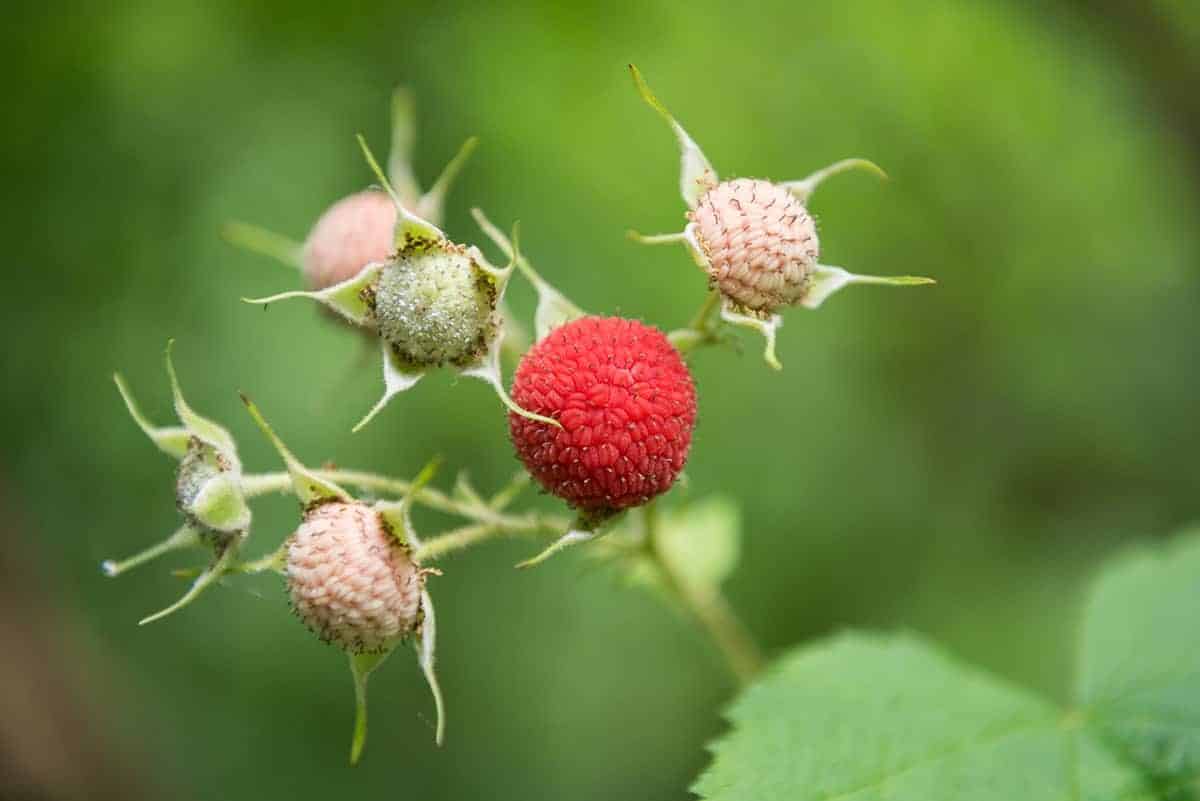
pixel 709 607
pixel 458 539
pixel 263 483
pixel 487 519
pixel 700 331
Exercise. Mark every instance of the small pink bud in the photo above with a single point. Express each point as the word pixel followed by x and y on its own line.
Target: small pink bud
pixel 352 233
pixel 350 579
pixel 759 241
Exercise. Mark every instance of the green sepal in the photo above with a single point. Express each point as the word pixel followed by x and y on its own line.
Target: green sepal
pixel 350 299
pixel 220 504
pixel 696 174
pixel 553 308
pixel 488 371
pixel 412 231
pixel 431 204
pixel 767 327
pixel 587 527
pixel 361 666
pixel 826 280
pixel 398 376
pixel 200 427
pixel 264 242
pixel 221 565
pixel 802 190
pixel 171 440
pixel 426 646
pixel 404 138
pixel 309 487
pixel 186 536
pixel 398 514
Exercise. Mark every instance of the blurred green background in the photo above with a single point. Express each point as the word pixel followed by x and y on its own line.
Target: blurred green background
pixel 953 459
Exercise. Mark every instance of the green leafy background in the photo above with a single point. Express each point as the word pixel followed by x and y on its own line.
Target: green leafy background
pixel 954 461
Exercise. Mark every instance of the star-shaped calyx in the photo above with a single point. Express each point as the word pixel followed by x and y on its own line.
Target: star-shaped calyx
pixel 209 491
pixel 352 578
pixel 432 303
pixel 755 238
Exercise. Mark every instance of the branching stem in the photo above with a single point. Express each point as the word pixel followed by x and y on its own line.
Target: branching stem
pixel 487 519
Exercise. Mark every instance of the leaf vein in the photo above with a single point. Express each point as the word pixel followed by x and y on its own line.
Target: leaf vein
pixel 984 739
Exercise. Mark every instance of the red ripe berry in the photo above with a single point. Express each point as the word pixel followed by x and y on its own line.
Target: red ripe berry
pixel 627 407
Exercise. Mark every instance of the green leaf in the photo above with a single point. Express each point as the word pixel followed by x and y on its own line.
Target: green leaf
pixel 869 717
pixel 1139 671
pixel 862 718
pixel 702 541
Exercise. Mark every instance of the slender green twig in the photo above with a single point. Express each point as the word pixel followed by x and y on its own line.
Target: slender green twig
pixel 263 483
pixel 700 331
pixel 474 533
pixel 487 518
pixel 709 607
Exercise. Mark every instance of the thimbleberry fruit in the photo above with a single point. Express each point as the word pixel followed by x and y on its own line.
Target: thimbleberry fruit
pixel 626 404
pixel 352 233
pixel 759 241
pixel 755 238
pixel 436 306
pixel 432 302
pixel 350 580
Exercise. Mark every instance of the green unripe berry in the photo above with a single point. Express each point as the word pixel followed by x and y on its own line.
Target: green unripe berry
pixel 208 493
pixel 435 306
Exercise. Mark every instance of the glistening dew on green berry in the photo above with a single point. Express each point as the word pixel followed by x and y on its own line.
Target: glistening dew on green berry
pixel 433 303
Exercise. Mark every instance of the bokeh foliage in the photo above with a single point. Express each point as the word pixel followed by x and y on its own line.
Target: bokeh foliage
pixel 954 460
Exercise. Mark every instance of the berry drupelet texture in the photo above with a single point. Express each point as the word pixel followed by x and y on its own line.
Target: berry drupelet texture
pixel 627 407
pixel 436 307
pixel 760 242
pixel 350 581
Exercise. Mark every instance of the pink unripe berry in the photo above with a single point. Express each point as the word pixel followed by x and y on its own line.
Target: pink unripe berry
pixel 760 242
pixel 350 580
pixel 626 404
pixel 352 233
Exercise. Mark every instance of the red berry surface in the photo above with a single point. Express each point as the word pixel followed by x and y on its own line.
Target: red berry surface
pixel 627 406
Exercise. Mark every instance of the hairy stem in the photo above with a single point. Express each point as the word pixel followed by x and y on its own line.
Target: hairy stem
pixel 709 607
pixel 487 518
pixel 496 526
pixel 263 483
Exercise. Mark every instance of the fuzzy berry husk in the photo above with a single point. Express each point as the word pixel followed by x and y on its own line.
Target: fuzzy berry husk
pixel 208 494
pixel 627 406
pixel 200 465
pixel 435 306
pixel 351 234
pixel 350 580
pixel 760 242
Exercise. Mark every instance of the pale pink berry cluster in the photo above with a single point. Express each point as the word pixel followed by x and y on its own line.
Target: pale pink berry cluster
pixel 350 580
pixel 760 243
